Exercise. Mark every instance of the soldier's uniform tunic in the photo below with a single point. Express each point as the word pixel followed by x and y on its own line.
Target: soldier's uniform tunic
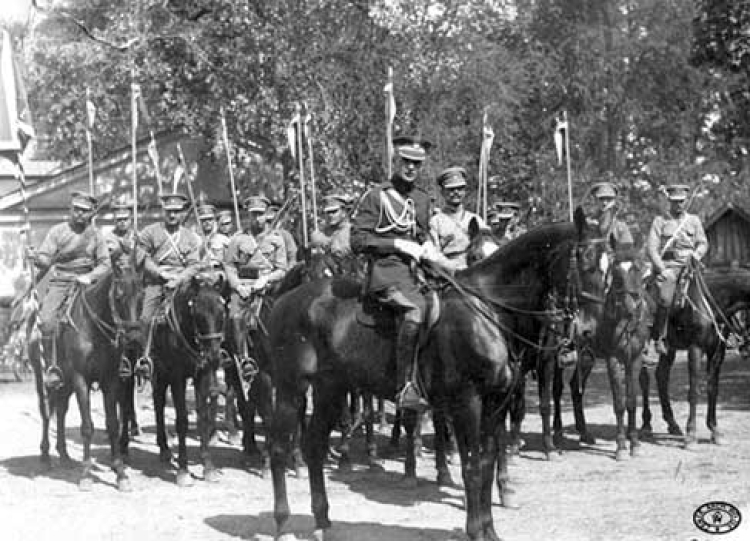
pixel 384 215
pixel 689 237
pixel 450 234
pixel 69 252
pixel 215 247
pixel 120 245
pixel 178 253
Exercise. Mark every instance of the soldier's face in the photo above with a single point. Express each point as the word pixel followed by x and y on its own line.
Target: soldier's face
pixel 257 220
pixel 606 203
pixel 225 227
pixel 207 224
pixel 334 216
pixel 676 207
pixel 79 216
pixel 172 217
pixel 122 225
pixel 454 196
pixel 409 169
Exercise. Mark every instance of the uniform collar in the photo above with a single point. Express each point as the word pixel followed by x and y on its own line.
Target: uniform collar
pixel 401 186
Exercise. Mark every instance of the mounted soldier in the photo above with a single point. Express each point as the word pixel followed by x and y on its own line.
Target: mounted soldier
pixel 391 228
pixel 255 259
pixel 290 245
pixel 213 243
pixel 75 254
pixel 335 238
pixel 505 221
pixel 172 255
pixel 606 220
pixel 450 227
pixel 122 239
pixel 674 239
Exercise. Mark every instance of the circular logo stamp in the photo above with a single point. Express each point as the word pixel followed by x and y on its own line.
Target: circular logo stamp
pixel 717 517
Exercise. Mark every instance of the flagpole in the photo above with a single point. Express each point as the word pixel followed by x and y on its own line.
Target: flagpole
pixel 225 135
pixel 308 136
pixel 301 164
pixel 134 143
pixel 89 125
pixel 567 159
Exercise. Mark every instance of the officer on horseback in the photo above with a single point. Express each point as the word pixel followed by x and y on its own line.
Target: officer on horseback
pixel 610 227
pixel 450 227
pixel 505 221
pixel 290 245
pixel 335 238
pixel 673 240
pixel 172 256
pixel 255 259
pixel 391 227
pixel 76 254
pixel 121 240
pixel 212 242
pixel 224 232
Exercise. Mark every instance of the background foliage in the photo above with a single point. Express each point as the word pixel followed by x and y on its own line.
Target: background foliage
pixel 656 90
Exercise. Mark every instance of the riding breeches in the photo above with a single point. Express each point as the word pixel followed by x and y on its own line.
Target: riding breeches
pixel 54 298
pixel 666 282
pixel 153 297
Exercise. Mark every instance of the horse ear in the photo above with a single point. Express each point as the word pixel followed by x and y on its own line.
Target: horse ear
pixel 579 218
pixel 473 228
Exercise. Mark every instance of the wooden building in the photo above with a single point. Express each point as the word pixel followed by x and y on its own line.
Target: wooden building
pixel 728 232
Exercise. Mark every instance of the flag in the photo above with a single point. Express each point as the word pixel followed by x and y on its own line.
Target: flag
pixel 488 136
pixel 135 91
pixel 390 116
pixel 153 153
pixel 15 116
pixel 291 132
pixel 90 110
pixel 561 130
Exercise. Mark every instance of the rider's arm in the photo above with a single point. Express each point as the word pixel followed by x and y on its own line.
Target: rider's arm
pixel 102 261
pixel 701 242
pixel 147 243
pixel 278 259
pixel 192 255
pixel 653 243
pixel 364 239
pixel 45 255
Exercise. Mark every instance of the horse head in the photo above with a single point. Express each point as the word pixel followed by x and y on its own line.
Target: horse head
pixel 482 243
pixel 206 311
pixel 126 302
pixel 626 290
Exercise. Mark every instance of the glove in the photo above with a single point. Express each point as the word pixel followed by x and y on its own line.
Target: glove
pixel 172 284
pixel 410 248
pixel 430 252
pixel 695 255
pixel 167 276
pixel 84 280
pixel 260 283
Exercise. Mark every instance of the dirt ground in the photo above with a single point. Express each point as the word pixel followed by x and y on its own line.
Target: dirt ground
pixel 583 495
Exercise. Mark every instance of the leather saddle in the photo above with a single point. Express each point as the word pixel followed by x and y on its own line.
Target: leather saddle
pixel 373 313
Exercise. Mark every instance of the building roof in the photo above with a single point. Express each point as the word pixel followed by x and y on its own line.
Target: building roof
pixel 723 211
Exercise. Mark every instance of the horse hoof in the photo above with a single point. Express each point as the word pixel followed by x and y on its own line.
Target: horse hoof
pixel 691 444
pixel 319 535
pixel 184 479
pixel 718 439
pixel 408 483
pixel 376 466
pixel 509 500
pixel 67 462
pixel 675 430
pixel 165 457
pixel 553 456
pixel 620 455
pixel 588 439
pixel 635 451
pixel 646 432
pixel 212 476
pixel 123 485
pixel 85 484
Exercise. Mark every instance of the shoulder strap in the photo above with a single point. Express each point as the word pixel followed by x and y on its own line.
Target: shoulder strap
pixel 673 238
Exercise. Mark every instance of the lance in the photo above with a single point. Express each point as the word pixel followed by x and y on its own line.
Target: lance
pixel 390 115
pixel 300 161
pixel 90 112
pixel 191 195
pixel 567 158
pixel 134 92
pixel 308 136
pixel 225 135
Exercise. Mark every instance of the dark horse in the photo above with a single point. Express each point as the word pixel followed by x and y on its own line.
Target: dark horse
pixel 465 363
pixel 188 345
pixel 694 324
pixel 100 324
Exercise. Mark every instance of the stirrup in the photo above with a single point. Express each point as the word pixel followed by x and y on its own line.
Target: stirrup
pixel 125 369
pixel 225 359
pixel 567 357
pixel 249 369
pixel 53 377
pixel 411 399
pixel 144 367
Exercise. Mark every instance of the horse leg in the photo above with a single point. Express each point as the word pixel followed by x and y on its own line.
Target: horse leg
pixel 348 425
pixel 202 383
pixel 577 387
pixel 368 414
pixel 644 379
pixel 695 353
pixel 662 380
pixel 502 477
pixel 179 384
pixel 159 392
pixel 490 450
pixel 125 393
pixel 615 370
pixel 382 417
pixel 714 368
pixel 62 402
pixel 328 401
pixel 283 426
pixel 632 369
pixel 395 432
pixel 466 426
pixel 45 404
pixel 410 419
pixel 517 412
pixel 83 397
pixel 112 393
pixel 441 439
pixel 265 410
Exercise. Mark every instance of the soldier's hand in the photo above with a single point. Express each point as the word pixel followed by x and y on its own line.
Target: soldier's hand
pixel 318 238
pixel 172 284
pixel 409 247
pixel 260 283
pixel 84 279
pixel 430 252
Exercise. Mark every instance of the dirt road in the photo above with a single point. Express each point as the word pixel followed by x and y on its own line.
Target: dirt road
pixel 584 495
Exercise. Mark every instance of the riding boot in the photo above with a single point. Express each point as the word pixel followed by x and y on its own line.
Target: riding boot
pixel 658 332
pixel 248 365
pixel 53 376
pixel 409 397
